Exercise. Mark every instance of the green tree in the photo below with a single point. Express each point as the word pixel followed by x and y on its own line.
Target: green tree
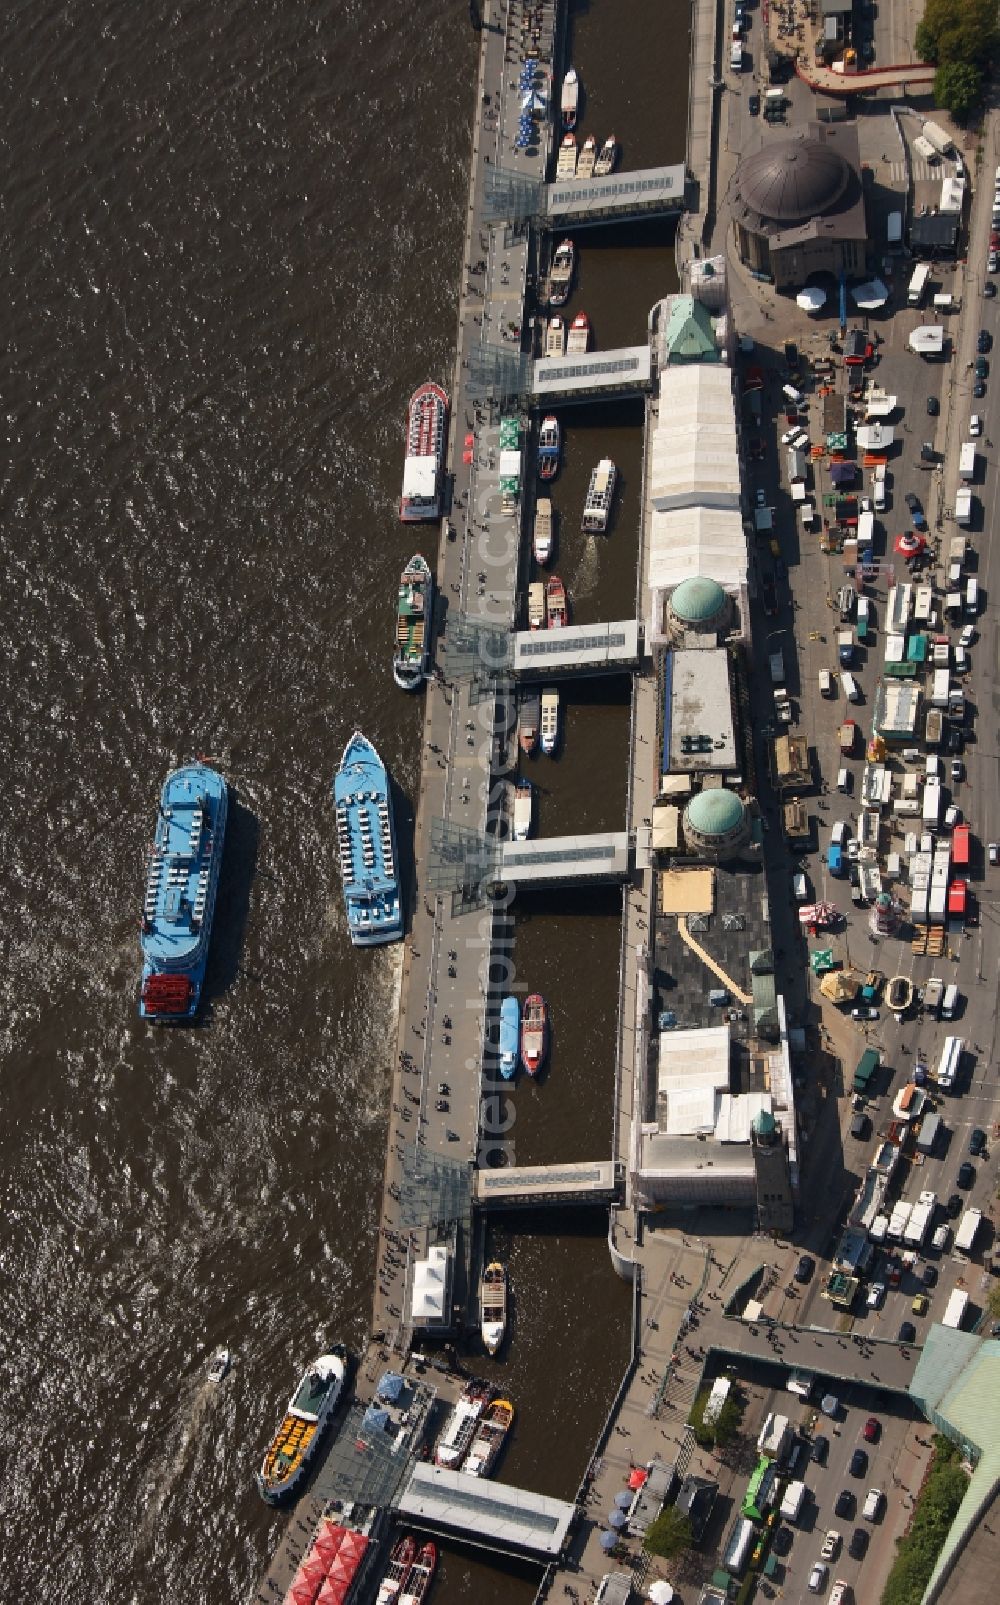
pixel 993 1302
pixel 959 31
pixel 669 1534
pixel 958 87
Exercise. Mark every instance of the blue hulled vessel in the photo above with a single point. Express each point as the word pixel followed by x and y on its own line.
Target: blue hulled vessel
pixel 367 845
pixel 181 881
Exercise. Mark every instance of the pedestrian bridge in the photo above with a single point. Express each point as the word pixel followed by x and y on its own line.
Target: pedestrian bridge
pixel 577 649
pixel 620 198
pixel 524 1187
pixel 564 860
pixel 589 375
pixel 490 1514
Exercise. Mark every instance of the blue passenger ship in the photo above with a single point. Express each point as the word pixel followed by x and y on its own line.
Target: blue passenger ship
pixel 367 846
pixel 181 880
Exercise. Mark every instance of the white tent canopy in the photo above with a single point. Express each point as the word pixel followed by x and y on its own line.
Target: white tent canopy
pixel 811 299
pixel 870 295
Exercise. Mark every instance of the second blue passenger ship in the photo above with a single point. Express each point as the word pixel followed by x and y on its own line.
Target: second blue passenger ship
pixel 367 845
pixel 181 881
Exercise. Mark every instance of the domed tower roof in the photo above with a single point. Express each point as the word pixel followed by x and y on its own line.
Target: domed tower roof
pixel 715 812
pixel 763 1124
pixel 793 180
pixel 697 600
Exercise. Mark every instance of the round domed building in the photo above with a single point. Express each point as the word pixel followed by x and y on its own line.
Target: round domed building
pixel 697 606
pixel 798 205
pixel 716 824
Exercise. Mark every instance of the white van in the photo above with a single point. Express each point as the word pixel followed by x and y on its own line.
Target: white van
pixel 843 780
pixel 800 890
pixel 825 683
pixel 850 686
pixel 838 832
pixel 872 1504
pixel 933 769
pixel 949 1003
pixel 791 394
pixel 736 56
pixel 933 992
pixel 941 1239
pixel 972 598
pixel 792 1501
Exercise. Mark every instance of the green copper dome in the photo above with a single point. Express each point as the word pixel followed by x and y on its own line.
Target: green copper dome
pixel 697 600
pixel 763 1124
pixel 717 812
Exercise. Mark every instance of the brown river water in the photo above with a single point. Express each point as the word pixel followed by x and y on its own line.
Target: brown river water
pixel 231 244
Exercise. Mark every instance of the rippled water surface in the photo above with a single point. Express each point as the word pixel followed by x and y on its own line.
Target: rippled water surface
pixel 231 243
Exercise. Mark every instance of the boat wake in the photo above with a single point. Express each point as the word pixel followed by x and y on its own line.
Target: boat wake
pixel 173 1466
pixel 585 580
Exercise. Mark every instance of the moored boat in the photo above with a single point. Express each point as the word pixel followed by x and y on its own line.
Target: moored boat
pixel 484 1450
pixel 294 1445
pixel 413 624
pixel 597 507
pixel 555 602
pixel 182 877
pixel 534 1033
pixel 219 1366
pixel 550 719
pixel 605 163
pixel 510 1032
pixel 561 273
pixel 566 161
pixel 588 158
pixel 426 435
pixel 541 540
pixel 404 1553
pixel 523 800
pixel 528 720
pixel 555 338
pixel 366 845
pixel 579 333
pixel 569 100
pixel 549 447
pixel 461 1424
pixel 536 605
pixel 493 1306
pixel 421 1576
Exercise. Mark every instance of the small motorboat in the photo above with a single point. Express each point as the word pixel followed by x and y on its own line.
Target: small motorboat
pixel 219 1365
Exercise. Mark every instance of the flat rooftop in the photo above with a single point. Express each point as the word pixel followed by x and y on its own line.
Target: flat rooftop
pixel 585 374
pixel 486 1512
pixel 699 731
pixel 737 927
pixel 586 648
pixel 582 200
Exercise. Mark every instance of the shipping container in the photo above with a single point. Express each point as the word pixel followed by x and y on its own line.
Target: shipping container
pixel 960 846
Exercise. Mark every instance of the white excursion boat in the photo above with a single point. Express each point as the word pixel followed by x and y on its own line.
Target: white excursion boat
pixel 561 273
pixel 523 800
pixel 597 507
pixel 485 1447
pixel 570 98
pixel 566 162
pixel 493 1306
pixel 588 158
pixel 536 605
pixel 605 163
pixel 550 719
pixel 579 333
pixel 555 338
pixel 541 541
pixel 461 1424
pixel 219 1366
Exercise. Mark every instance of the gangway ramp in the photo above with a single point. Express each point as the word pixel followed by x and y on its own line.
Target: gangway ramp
pixel 491 1514
pixel 621 197
pixel 531 1186
pixel 565 860
pixel 578 649
pixel 591 375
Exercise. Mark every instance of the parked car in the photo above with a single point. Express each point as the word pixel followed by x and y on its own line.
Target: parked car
pixel 929 1276
pixel 820 1449
pixel 985 340
pixel 982 367
pixel 805 1268
pixel 831 1545
pixel 933 408
pixel 859 1463
pixel 994 852
pixel 966 1175
pixel 957 769
pixel 858 1544
pixel 818 1577
pixel 754 105
pixel 872 1430
pixel 913 502
pixel 846 1504
pixel 954 1205
pixel 876 1294
pixel 977 1141
pixel 907 1333
pixel 979 389
pixel 989 289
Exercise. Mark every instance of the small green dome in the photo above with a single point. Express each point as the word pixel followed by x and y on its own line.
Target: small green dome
pixel 763 1123
pixel 698 600
pixel 716 812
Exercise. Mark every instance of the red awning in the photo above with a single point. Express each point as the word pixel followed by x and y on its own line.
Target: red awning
pixel 909 544
pixel 638 1477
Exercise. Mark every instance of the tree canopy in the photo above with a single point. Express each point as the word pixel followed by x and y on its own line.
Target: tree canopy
pixel 959 31
pixel 669 1534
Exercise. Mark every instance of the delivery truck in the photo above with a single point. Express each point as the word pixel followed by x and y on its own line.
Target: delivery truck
pixel 792 1500
pixel 920 1219
pixel 963 507
pixel 917 288
pixel 955 1310
pixel 968 1227
pixel 949 1062
pixel 967 461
